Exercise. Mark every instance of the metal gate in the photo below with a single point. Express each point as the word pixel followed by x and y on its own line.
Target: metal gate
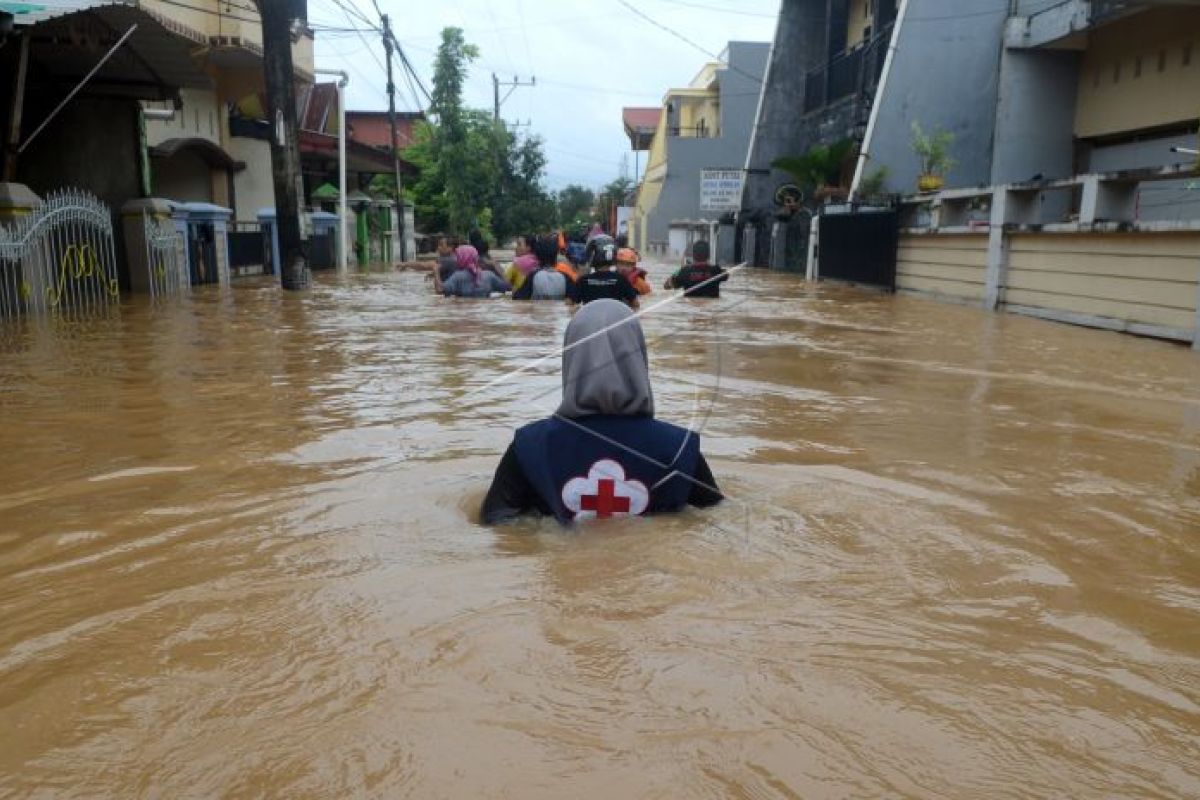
pixel 59 259
pixel 860 246
pixel 165 258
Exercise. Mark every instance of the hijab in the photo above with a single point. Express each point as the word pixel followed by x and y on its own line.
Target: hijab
pixel 526 264
pixel 605 367
pixel 467 258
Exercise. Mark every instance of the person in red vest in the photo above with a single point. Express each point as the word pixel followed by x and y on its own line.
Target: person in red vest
pixel 602 453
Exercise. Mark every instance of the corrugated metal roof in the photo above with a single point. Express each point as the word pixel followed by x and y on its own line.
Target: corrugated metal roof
pixel 32 13
pixel 72 35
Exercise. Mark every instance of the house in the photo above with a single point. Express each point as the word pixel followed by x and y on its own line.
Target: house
pixel 826 62
pixel 702 133
pixel 159 84
pixel 1075 192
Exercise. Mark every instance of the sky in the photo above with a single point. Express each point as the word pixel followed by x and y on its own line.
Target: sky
pixel 591 58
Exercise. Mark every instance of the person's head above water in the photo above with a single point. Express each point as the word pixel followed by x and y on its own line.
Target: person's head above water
pixel 605 367
pixel 468 259
pixel 546 250
pixel 700 252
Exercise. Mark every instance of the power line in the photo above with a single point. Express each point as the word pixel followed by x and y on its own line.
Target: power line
pixel 719 9
pixel 686 40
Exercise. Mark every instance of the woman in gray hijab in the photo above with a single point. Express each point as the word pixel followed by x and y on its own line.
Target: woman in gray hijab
pixel 602 454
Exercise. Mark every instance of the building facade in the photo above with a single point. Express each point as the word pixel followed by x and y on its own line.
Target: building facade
pixel 703 126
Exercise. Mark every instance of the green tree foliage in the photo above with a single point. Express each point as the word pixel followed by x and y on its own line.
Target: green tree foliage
pixel 575 204
pixel 473 172
pixel 615 194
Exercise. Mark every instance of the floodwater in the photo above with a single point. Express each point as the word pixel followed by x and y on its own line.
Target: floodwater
pixel 238 557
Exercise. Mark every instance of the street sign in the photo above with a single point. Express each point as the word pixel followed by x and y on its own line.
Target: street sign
pixel 720 189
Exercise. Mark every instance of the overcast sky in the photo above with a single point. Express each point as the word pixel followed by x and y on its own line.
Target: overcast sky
pixel 590 57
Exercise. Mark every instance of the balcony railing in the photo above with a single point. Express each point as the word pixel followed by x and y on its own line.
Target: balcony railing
pixel 853 72
pixel 694 132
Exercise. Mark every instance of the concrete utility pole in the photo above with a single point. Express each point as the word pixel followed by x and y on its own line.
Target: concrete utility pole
pixel 391 92
pixel 343 212
pixel 277 19
pixel 512 85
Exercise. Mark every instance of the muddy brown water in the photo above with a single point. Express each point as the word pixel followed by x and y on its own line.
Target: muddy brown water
pixel 961 557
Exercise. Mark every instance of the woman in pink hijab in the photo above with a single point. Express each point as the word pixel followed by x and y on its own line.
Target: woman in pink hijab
pixel 469 280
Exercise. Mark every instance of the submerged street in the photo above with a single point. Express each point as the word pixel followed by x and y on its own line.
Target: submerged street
pixel 239 555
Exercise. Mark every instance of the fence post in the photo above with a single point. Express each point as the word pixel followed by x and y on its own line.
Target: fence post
pixel 997 254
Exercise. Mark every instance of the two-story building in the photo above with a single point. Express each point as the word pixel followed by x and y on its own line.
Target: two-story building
pixel 702 132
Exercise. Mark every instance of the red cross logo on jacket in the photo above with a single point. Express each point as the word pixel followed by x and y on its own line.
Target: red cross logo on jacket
pixel 605 492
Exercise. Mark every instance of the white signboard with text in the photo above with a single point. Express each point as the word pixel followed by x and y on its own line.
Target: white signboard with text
pixel 720 189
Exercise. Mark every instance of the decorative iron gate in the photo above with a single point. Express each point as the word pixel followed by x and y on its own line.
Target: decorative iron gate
pixel 59 259
pixel 860 246
pixel 165 258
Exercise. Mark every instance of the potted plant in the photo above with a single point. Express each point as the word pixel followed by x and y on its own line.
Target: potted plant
pixel 819 169
pixel 871 187
pixel 933 149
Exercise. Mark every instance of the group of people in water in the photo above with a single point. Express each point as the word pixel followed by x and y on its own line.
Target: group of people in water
pixel 579 269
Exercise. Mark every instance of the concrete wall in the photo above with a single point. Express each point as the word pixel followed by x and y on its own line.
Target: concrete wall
pixel 945 74
pixel 799 46
pixel 1122 87
pixel 952 267
pixel 253 187
pixel 1137 282
pixel 184 177
pixel 679 197
pixel 1172 201
pixel 200 118
pixel 1035 115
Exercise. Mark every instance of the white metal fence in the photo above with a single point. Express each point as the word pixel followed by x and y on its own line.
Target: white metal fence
pixel 166 258
pixel 59 258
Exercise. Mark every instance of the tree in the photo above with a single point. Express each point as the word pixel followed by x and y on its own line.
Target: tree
pixel 615 194
pixel 575 205
pixel 473 172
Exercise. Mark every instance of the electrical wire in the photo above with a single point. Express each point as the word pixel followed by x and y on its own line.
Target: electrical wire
pixel 686 40
pixel 719 9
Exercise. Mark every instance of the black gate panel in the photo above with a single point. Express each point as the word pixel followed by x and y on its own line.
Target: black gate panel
pixel 245 248
pixel 861 247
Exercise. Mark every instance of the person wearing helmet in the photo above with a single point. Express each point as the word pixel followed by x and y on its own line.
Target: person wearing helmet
pixel 602 281
pixel 627 259
pixel 699 278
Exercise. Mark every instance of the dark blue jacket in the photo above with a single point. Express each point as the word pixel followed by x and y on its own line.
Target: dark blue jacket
pixel 600 466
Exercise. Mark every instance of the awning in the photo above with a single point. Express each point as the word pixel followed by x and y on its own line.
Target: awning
pixel 210 152
pixel 68 38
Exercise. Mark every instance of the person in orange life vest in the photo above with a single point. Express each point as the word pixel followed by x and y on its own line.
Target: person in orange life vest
pixel 699 278
pixel 602 453
pixel 627 259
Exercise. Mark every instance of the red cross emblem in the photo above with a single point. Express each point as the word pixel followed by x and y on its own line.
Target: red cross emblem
pixel 605 501
pixel 605 493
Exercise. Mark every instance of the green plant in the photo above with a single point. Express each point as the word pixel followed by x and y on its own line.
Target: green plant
pixel 820 167
pixel 933 149
pixel 871 186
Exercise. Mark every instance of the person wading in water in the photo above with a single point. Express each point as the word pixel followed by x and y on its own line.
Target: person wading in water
pixel 602 281
pixel 469 280
pixel 698 272
pixel 602 454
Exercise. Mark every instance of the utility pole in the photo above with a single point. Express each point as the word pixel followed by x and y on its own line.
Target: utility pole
pixel 512 86
pixel 391 92
pixel 277 19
